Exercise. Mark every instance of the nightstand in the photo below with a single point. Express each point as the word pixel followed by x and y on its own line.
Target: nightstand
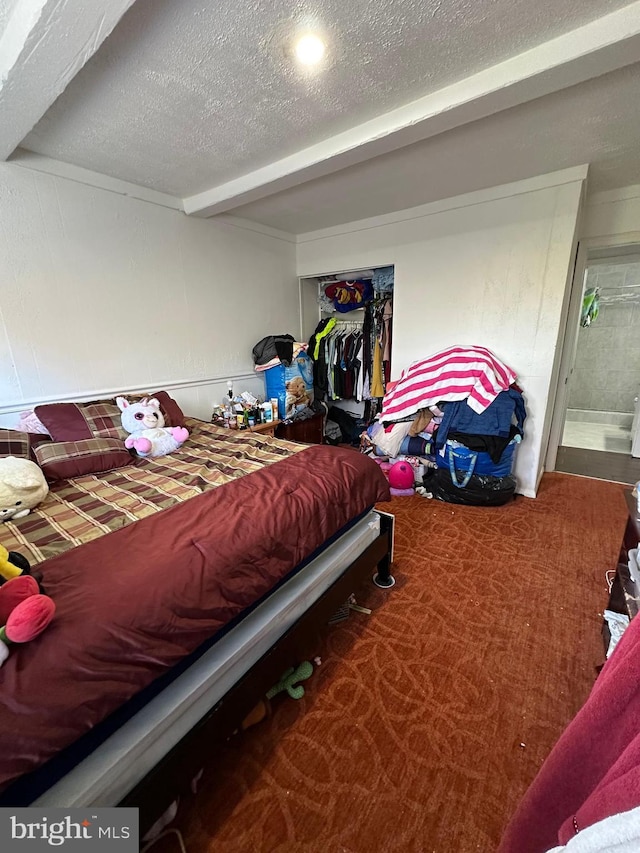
pixel 309 431
pixel 267 428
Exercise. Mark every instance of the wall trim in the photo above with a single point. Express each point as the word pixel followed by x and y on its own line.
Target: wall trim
pixel 49 166
pixel 58 169
pixel 539 182
pixel 612 241
pixel 78 396
pixel 256 227
pixel 618 194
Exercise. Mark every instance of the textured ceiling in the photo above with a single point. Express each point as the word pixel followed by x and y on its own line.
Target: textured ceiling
pixel 183 96
pixel 595 122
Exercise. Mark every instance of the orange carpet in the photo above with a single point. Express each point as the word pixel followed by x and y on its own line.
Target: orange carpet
pixel 428 719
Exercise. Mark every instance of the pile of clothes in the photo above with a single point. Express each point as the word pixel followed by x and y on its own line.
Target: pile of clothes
pixel 457 416
pixel 404 441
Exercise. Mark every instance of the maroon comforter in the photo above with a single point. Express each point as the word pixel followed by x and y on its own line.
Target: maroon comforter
pixel 134 602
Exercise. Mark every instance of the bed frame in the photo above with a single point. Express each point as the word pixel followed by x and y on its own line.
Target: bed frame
pixel 172 776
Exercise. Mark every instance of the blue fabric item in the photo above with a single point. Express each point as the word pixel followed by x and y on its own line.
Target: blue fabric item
pixel 414 445
pixel 383 279
pixel 411 446
pixel 495 420
pixel 462 462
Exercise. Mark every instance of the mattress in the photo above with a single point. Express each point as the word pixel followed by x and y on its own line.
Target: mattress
pixel 85 508
pixel 134 604
pixel 117 765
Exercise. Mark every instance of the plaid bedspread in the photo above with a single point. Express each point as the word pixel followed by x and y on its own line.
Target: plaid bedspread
pixel 85 508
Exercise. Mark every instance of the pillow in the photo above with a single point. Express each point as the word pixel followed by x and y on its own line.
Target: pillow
pixel 16 443
pixel 173 414
pixel 77 421
pixel 99 418
pixel 62 459
pixel 29 422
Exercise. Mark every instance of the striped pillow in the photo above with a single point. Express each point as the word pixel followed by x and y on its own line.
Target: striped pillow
pixel 60 460
pixel 14 442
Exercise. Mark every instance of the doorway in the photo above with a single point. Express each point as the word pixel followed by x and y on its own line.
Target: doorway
pixel 604 382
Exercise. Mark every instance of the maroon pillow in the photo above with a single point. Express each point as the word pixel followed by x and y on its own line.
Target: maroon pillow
pixel 60 460
pixel 99 418
pixel 77 421
pixel 173 414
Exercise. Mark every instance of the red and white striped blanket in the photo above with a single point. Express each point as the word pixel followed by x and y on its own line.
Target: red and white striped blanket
pixel 459 372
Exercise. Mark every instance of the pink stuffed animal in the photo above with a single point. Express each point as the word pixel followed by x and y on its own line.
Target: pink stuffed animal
pixel 24 612
pixel 148 434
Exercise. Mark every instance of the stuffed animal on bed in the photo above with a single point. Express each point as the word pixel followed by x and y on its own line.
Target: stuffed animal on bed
pixel 24 612
pixel 22 486
pixel 14 565
pixel 148 434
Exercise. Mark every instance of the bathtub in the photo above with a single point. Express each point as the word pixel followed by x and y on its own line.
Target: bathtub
pixel 591 416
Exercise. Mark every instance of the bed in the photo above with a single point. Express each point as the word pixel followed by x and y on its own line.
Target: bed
pixel 184 586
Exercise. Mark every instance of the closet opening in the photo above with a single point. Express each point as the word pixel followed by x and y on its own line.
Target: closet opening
pixel 347 317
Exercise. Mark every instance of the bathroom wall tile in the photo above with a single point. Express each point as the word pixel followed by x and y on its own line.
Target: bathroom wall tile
pixel 632 274
pixel 611 276
pixel 606 374
pixel 607 401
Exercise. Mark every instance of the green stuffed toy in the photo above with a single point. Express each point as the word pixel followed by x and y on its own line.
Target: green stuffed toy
pixel 289 681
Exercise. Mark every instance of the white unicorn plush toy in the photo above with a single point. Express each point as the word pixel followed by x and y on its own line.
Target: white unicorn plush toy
pixel 148 435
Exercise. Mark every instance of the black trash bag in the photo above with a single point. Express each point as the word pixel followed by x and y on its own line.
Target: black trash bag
pixel 274 346
pixel 347 423
pixel 481 490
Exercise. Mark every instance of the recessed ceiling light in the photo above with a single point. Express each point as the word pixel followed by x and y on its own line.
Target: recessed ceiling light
pixel 309 49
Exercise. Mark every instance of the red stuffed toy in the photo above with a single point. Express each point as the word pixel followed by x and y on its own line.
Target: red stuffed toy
pixel 24 612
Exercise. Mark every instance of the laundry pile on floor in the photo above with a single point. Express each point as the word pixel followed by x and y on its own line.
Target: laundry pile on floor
pixel 457 418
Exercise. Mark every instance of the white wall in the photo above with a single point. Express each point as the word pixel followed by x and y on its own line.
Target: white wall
pixel 490 268
pixel 101 292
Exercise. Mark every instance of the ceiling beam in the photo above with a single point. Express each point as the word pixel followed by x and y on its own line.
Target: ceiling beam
pixel 609 43
pixel 43 46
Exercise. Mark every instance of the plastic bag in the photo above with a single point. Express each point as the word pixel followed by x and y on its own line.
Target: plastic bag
pixel 480 490
pixel 292 386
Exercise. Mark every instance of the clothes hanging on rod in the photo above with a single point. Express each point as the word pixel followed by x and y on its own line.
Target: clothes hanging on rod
pixel 352 357
pixel 343 362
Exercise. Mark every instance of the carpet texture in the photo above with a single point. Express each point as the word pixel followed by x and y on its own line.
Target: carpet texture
pixel 427 720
